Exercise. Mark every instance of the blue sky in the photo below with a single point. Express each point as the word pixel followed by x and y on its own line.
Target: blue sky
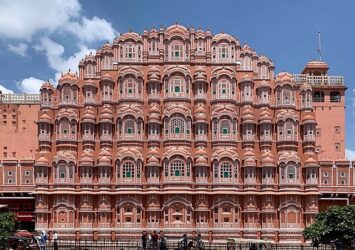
pixel 41 38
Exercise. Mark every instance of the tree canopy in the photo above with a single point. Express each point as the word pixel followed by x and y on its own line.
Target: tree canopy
pixel 6 226
pixel 337 223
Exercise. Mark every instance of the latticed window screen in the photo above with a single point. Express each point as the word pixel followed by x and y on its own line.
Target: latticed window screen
pixel 223 51
pixel 129 127
pixel 177 125
pixel 130 51
pixel 177 85
pixel 225 127
pixel 176 50
pixel 128 170
pixel 130 86
pixel 177 168
pixel 225 170
pixel 223 88
pixel 291 172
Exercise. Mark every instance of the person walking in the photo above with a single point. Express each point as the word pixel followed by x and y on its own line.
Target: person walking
pixel 155 238
pixel 43 239
pixel 200 245
pixel 55 241
pixel 183 244
pixel 163 243
pixel 144 240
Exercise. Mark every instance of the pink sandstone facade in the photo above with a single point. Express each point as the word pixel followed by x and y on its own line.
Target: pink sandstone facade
pixel 179 130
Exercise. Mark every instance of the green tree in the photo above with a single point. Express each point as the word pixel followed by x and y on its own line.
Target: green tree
pixel 6 226
pixel 337 223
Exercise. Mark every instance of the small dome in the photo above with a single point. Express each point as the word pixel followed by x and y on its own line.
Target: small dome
pixel 89 83
pixel 86 158
pixel 267 159
pixel 246 78
pixel 311 162
pixel 46 85
pixel 264 84
pixel 89 116
pixel 201 161
pixel 42 161
pixel 249 159
pixel 153 151
pixel 107 78
pixel 201 151
pixel 284 77
pixel 106 115
pixel 107 46
pixel 200 114
pixel 154 109
pixel 105 158
pixel 265 116
pixel 308 119
pixel 68 77
pixel 45 118
pixel 153 161
pixel 247 115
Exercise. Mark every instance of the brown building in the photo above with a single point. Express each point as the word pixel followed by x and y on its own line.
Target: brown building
pixel 179 130
pixel 18 148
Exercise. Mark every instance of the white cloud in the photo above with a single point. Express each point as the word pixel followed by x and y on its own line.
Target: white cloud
pixel 19 49
pixel 95 29
pixel 22 19
pixel 350 154
pixel 5 90
pixel 55 55
pixel 30 85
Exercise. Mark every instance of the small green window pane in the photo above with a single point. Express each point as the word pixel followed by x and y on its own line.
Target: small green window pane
pixel 129 131
pixel 177 54
pixel 177 89
pixel 225 174
pixel 129 55
pixel 130 91
pixel 225 131
pixel 177 173
pixel 177 130
pixel 224 91
pixel 128 174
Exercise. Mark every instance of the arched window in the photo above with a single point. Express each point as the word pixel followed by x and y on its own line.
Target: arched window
pixel 225 127
pixel 130 51
pixel 128 170
pixel 129 86
pixel 291 172
pixel 177 125
pixel 177 52
pixel 247 93
pixel 287 95
pixel 129 127
pixel 90 70
pixel 223 52
pixel 246 63
pixel 264 72
pixel 223 88
pixel 62 172
pixel 177 168
pixel 226 170
pixel 177 85
pixel 64 128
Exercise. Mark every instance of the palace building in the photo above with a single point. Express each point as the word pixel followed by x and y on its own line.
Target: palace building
pixel 182 130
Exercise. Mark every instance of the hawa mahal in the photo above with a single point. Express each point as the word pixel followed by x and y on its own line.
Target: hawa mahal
pixel 179 130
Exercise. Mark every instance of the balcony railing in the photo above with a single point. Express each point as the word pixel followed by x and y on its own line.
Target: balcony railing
pixel 20 98
pixel 319 80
